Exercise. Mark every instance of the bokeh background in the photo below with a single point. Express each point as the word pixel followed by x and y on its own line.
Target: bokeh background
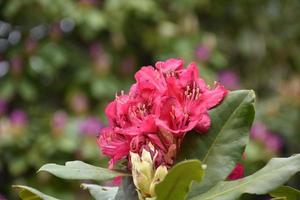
pixel 62 61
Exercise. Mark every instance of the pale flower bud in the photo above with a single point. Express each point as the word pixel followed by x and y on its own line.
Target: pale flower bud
pixel 159 175
pixel 144 174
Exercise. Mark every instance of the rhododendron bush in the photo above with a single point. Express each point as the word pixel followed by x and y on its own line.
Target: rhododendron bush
pixel 172 136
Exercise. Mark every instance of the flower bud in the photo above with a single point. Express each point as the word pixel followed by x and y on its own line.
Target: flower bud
pixel 144 174
pixel 159 175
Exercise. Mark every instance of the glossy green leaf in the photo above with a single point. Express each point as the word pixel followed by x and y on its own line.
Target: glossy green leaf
pixel 286 192
pixel 177 183
pixel 225 141
pixel 29 193
pixel 273 175
pixel 101 192
pixel 79 170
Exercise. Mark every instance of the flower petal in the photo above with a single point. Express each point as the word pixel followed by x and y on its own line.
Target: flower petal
pixel 215 96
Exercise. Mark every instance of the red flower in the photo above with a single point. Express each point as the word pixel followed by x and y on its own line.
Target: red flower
pixel 237 172
pixel 187 101
pixel 162 106
pixel 114 145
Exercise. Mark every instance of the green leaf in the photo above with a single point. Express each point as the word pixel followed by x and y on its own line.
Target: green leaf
pixel 29 193
pixel 178 180
pixel 7 89
pixel 100 192
pixel 225 141
pixel 27 90
pixel 286 192
pixel 79 170
pixel 273 175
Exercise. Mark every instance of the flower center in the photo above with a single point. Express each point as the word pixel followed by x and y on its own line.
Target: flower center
pixel 138 111
pixel 192 92
pixel 178 122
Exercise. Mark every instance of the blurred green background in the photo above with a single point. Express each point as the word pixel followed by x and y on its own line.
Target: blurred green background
pixel 62 61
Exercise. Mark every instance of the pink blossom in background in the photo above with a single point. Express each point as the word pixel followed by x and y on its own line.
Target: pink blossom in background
pixel 2 197
pixel 229 79
pixel 101 59
pixel 165 103
pixel 203 52
pixel 18 117
pixel 95 50
pixel 274 142
pixel 259 131
pixel 79 102
pixel 90 126
pixel 59 119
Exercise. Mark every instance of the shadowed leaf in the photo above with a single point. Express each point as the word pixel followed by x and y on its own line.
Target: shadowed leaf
pixel 177 183
pixel 29 193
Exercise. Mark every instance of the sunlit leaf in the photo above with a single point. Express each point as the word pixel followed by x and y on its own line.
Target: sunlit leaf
pixel 273 175
pixel 79 170
pixel 100 192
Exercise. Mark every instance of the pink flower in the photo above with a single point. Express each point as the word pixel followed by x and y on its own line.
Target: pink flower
pixel 187 101
pixel 137 143
pixel 113 145
pixel 131 115
pixel 170 67
pixel 163 105
pixel 18 117
pixel 150 79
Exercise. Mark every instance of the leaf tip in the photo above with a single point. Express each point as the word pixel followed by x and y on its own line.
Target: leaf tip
pixel 40 169
pixel 83 186
pixel 251 95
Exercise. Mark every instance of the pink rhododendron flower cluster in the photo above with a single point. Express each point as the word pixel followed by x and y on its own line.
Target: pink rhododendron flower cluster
pixel 165 103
